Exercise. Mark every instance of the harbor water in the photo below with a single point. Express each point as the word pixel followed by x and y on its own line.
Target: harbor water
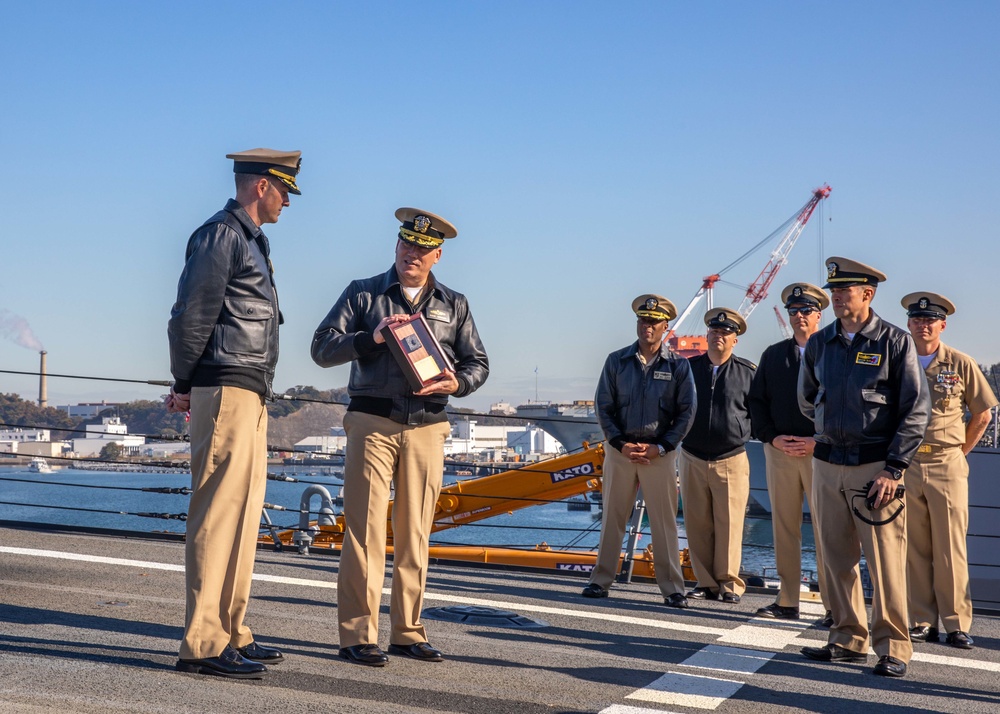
pixel 92 499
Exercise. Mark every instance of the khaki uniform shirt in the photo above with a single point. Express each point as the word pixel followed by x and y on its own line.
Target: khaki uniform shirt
pixel 956 382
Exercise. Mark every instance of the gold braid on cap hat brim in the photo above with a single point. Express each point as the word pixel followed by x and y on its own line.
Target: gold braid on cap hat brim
pixel 286 179
pixel 653 315
pixel 421 239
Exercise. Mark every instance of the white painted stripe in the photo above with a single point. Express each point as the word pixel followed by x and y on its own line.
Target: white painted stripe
pixel 429 596
pixel 728 659
pixel 812 608
pixel 956 662
pixel 625 709
pixel 687 690
pixel 765 638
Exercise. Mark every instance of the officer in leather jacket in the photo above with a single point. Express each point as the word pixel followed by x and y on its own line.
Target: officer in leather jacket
pixel 395 435
pixel 645 404
pixel 862 385
pixel 223 335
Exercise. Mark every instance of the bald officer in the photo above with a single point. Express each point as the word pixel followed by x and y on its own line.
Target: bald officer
pixel 788 443
pixel 862 386
pixel 645 404
pixel 223 335
pixel 937 482
pixel 395 435
pixel 714 469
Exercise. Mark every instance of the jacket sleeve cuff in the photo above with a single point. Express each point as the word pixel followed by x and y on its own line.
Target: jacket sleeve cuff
pixel 464 387
pixel 667 446
pixel 617 441
pixel 901 465
pixel 182 386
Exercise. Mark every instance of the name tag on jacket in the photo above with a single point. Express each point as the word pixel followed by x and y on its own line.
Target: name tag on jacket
pixel 872 360
pixel 438 314
pixel 663 375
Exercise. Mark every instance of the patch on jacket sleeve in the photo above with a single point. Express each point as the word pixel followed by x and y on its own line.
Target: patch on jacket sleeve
pixel 872 360
pixel 436 313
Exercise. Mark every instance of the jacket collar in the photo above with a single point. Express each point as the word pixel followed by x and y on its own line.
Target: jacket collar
pixel 239 213
pixel 391 277
pixel 870 331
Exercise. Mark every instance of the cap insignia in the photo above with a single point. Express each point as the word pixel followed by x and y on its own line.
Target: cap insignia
pixel 721 317
pixel 797 291
pixel 831 270
pixel 652 303
pixel 923 303
pixel 421 224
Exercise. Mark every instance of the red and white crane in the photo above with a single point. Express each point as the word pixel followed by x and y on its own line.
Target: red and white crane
pixel 790 230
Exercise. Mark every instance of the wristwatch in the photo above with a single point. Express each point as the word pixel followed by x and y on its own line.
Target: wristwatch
pixel 895 473
pixel 663 452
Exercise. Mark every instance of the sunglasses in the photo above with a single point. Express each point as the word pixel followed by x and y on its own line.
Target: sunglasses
pixel 804 311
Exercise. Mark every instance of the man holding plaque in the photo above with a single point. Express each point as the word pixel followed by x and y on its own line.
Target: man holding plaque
pixel 399 330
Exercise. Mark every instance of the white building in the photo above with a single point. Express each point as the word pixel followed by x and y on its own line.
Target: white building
pixel 86 410
pixel 110 430
pixel 469 437
pixel 334 443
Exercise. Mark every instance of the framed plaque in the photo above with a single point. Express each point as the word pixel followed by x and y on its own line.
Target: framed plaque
pixel 416 350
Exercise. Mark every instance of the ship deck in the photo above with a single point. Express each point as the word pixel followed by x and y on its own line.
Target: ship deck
pixel 91 624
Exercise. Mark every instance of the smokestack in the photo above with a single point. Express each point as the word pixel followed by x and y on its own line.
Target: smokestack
pixel 43 392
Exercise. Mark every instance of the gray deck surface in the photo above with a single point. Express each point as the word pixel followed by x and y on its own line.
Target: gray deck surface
pixel 92 624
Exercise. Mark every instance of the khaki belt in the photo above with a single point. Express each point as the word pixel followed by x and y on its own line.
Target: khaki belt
pixel 932 448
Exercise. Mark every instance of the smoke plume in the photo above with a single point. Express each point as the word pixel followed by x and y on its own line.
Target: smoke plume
pixel 16 328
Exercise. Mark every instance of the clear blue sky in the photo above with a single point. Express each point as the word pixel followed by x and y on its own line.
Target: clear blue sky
pixel 587 152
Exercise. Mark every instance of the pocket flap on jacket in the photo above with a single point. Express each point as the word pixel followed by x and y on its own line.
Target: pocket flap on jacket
pixel 874 396
pixel 249 308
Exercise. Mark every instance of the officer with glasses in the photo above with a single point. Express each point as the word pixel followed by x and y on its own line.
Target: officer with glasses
pixel 787 435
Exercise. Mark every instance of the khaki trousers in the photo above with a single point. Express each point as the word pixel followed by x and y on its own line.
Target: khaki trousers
pixel 789 480
pixel 937 521
pixel 715 502
pixel 843 538
pixel 380 452
pixel 228 478
pixel 658 480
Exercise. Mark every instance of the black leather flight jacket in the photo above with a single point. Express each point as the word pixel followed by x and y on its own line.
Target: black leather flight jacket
pixel 377 384
pixel 868 398
pixel 651 406
pixel 722 423
pixel 774 396
pixel 223 328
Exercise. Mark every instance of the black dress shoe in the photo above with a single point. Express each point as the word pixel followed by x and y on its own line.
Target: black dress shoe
pixel 370 655
pixel 833 653
pixel 889 667
pixel 959 639
pixel 731 598
pixel 594 590
pixel 421 650
pixel 259 653
pixel 779 612
pixel 702 594
pixel 923 633
pixel 676 600
pixel 827 620
pixel 228 664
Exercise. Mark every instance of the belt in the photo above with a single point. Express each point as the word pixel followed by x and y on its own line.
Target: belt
pixel 933 448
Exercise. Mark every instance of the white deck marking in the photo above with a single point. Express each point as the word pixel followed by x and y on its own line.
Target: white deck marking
pixel 687 690
pixel 812 608
pixel 765 638
pixel 728 659
pixel 625 709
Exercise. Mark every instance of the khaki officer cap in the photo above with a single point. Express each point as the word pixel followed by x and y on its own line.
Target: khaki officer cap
pixel 283 165
pixel 804 294
pixel 726 318
pixel 423 228
pixel 844 272
pixel 927 304
pixel 654 307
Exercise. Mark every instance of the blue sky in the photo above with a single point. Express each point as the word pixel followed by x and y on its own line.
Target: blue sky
pixel 587 152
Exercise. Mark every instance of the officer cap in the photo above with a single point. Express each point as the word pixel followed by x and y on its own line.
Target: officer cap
pixel 804 294
pixel 654 307
pixel 725 318
pixel 423 228
pixel 283 165
pixel 925 304
pixel 844 272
